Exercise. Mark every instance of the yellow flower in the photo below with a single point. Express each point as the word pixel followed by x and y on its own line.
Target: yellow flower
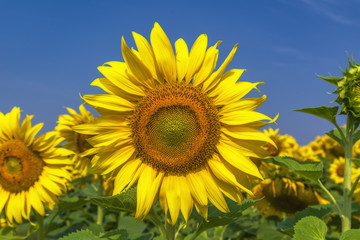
pixel 32 170
pixel 75 141
pixel 286 145
pixel 282 195
pixel 336 171
pixel 180 130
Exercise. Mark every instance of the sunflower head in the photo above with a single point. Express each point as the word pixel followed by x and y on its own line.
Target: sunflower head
pixel 348 89
pixel 75 141
pixel 32 170
pixel 283 195
pixel 176 126
pixel 336 170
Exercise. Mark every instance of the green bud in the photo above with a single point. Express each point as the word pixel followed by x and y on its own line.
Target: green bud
pixel 348 89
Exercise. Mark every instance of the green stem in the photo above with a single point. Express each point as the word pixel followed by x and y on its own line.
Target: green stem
pixel 100 210
pixel 158 223
pixel 346 224
pixel 170 231
pixel 40 222
pixel 332 199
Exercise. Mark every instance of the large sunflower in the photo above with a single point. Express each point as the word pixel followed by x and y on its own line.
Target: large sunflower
pixel 175 127
pixel 283 195
pixel 75 141
pixel 32 170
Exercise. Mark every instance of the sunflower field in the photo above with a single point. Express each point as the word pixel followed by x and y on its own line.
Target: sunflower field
pixel 176 150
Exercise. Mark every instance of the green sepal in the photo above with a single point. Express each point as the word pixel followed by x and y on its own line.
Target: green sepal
pixel 310 170
pixel 124 202
pixel 310 228
pixel 331 79
pixel 328 113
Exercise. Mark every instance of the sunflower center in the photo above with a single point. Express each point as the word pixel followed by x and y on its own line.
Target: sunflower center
pixel 19 166
pixel 13 164
pixel 81 143
pixel 340 171
pixel 175 128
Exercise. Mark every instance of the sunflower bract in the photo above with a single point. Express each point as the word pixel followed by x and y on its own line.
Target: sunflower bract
pixel 176 126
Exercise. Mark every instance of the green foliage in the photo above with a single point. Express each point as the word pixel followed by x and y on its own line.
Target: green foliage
pixel 352 234
pixel 328 113
pixel 217 218
pixel 125 201
pixel 320 211
pixel 310 228
pixel 335 134
pixel 309 170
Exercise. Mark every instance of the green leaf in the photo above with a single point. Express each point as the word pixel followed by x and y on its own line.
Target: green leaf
pixel 83 234
pixel 310 228
pixel 71 203
pixel 352 234
pixel 217 218
pixel 122 202
pixel 96 229
pixel 335 134
pixel 118 234
pixel 319 211
pixel 309 170
pixel 328 113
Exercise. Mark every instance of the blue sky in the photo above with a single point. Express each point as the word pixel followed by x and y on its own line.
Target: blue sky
pixel 50 50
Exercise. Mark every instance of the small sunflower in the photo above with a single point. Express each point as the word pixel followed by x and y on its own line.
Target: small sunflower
pixel 283 195
pixel 286 145
pixel 76 141
pixel 32 170
pixel 180 130
pixel 336 171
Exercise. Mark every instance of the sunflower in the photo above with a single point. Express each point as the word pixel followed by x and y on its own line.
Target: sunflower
pixel 286 145
pixel 336 171
pixel 32 170
pixel 180 130
pixel 283 195
pixel 75 141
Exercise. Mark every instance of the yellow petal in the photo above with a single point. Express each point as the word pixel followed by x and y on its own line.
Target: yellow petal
pixel 125 175
pixel 249 104
pixel 135 65
pixel 187 202
pixel 117 76
pixel 109 102
pixel 213 191
pixel 214 78
pixel 182 58
pixel 4 198
pixel 228 79
pixel 164 53
pixel 196 57
pixel 173 197
pixel 208 65
pixel 237 159
pixel 243 117
pixel 221 172
pixel 197 188
pixel 35 201
pixel 146 53
pixel 147 189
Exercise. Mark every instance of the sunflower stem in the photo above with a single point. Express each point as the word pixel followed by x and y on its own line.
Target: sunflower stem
pixel 158 223
pixel 346 223
pixel 40 222
pixel 332 199
pixel 100 211
pixel 170 231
